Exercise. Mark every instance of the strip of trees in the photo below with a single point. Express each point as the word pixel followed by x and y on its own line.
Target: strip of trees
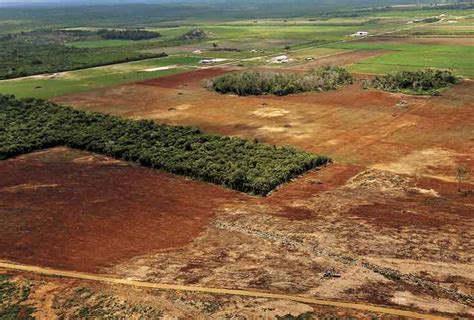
pixel 428 81
pixel 244 165
pixel 280 84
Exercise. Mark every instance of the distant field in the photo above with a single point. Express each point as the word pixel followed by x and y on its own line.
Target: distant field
pixel 89 79
pixel 307 37
pixel 404 56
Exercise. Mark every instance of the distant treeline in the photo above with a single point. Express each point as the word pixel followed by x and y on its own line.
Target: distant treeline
pixel 259 83
pixel 60 36
pixel 128 34
pixel 244 165
pixel 427 81
pixel 48 51
pixel 20 59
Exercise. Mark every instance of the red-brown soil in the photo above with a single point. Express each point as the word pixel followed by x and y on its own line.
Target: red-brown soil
pixel 186 80
pixel 390 198
pixel 69 209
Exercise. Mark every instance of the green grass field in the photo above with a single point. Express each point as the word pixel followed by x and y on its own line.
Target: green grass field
pixel 403 56
pixel 89 79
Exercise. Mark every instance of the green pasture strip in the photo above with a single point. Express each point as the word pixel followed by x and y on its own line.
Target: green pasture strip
pixel 243 165
pixel 413 57
pixel 89 79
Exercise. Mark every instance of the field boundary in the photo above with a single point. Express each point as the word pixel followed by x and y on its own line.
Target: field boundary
pixel 236 292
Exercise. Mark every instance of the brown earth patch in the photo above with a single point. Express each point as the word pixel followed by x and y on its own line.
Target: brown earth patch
pixel 341 59
pixel 94 215
pixel 186 80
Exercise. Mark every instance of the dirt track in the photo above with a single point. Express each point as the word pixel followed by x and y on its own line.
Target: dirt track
pixel 159 286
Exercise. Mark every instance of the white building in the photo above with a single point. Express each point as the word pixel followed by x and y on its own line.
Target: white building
pixel 361 34
pixel 211 61
pixel 279 59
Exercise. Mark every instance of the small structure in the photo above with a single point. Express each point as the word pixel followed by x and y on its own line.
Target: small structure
pixel 197 51
pixel 279 59
pixel 211 61
pixel 361 34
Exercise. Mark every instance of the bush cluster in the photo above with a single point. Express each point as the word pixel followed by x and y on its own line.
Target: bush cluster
pixel 427 81
pixel 258 83
pixel 243 165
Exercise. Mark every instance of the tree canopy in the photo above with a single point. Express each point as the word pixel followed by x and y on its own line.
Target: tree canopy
pixel 244 165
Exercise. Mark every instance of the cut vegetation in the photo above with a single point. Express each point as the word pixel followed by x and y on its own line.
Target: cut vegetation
pixel 243 165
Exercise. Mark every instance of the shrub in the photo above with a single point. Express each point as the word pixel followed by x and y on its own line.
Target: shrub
pixel 427 81
pixel 280 84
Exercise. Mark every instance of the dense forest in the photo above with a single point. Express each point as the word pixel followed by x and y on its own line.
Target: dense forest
pixel 427 81
pixel 244 165
pixel 280 84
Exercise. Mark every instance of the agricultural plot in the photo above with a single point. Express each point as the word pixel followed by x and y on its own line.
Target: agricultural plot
pixel 410 56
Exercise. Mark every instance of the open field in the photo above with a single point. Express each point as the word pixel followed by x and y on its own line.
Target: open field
pixel 281 244
pixel 413 54
pixel 51 85
pixel 33 191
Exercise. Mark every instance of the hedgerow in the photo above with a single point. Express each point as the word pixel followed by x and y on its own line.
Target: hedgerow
pixel 280 84
pixel 427 81
pixel 243 165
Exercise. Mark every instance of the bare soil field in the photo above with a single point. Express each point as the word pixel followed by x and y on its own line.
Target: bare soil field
pixel 339 59
pixel 394 239
pixel 70 209
pixel 188 80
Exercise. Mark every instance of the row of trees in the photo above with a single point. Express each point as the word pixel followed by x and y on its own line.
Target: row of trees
pixel 428 81
pixel 258 83
pixel 248 166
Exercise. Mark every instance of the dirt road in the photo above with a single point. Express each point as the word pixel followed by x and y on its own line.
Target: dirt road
pixel 255 294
